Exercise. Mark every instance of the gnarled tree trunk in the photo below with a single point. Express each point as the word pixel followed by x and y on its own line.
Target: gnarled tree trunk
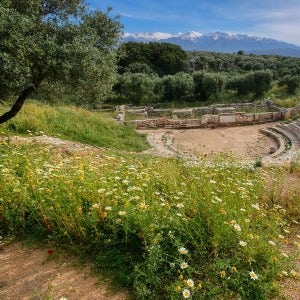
pixel 20 102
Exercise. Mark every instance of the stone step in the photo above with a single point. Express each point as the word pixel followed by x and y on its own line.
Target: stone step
pixel 278 138
pixel 294 134
pixel 289 136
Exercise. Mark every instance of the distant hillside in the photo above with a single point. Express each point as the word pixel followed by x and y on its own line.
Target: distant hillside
pixel 283 52
pixel 219 42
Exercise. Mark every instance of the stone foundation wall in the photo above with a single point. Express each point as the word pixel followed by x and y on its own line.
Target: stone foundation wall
pixel 215 109
pixel 224 118
pixel 291 112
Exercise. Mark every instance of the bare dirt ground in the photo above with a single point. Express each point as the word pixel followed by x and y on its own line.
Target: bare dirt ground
pixel 244 141
pixel 32 273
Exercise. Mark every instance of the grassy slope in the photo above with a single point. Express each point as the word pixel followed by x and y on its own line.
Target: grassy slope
pixel 75 124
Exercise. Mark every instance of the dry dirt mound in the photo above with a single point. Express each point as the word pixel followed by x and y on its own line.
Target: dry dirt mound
pixel 32 273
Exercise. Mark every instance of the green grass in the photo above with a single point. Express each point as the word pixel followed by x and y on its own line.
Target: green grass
pixel 281 98
pixel 288 102
pixel 75 124
pixel 164 227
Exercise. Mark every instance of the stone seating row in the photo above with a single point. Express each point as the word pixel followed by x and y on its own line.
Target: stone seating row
pixel 286 136
pixel 279 140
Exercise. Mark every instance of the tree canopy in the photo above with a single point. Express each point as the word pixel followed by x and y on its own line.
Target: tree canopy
pixel 257 83
pixel 163 58
pixel 58 41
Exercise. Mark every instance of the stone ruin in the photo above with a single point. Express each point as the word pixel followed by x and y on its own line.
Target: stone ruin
pixel 211 116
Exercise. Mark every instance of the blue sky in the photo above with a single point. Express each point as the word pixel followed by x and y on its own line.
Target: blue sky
pixel 279 19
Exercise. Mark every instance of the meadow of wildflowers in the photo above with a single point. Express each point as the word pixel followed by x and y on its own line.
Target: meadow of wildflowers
pixel 166 228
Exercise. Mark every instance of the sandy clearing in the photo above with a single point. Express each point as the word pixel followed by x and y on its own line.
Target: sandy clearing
pixel 31 273
pixel 246 142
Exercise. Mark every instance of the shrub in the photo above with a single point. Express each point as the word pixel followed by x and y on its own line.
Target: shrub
pixel 178 87
pixel 136 88
pixel 291 83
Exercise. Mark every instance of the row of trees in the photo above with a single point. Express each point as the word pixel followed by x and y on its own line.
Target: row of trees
pixel 243 63
pixel 141 88
pixel 257 82
pixel 165 59
pixel 164 72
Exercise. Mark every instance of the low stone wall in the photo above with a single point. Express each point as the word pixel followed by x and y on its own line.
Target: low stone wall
pixel 213 116
pixel 290 113
pixel 209 120
pixel 215 109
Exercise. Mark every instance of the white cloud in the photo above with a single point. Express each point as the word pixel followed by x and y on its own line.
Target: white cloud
pixel 280 23
pixel 282 31
pixel 275 19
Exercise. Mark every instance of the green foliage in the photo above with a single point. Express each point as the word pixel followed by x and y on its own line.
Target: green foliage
pixel 288 102
pixel 138 67
pixel 208 84
pixel 290 82
pixel 262 81
pixel 237 63
pixel 75 124
pixel 61 41
pixel 239 84
pixel 164 226
pixel 141 89
pixel 178 87
pixel 135 88
pixel 242 75
pixel 163 58
pixel 256 83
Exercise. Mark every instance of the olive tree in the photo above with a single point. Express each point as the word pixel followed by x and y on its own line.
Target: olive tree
pixel 136 88
pixel 208 84
pixel 57 41
pixel 256 83
pixel 178 87
pixel 291 83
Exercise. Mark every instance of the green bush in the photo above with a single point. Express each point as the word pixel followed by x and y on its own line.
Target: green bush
pixel 256 83
pixel 208 84
pixel 291 83
pixel 136 88
pixel 178 87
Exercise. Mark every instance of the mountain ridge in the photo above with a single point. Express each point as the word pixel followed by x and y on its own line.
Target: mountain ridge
pixel 218 42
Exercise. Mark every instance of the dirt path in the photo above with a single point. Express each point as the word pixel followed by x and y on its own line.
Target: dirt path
pixel 32 273
pixel 160 142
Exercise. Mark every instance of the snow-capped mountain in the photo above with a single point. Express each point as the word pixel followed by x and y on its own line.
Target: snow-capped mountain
pixel 147 37
pixel 218 42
